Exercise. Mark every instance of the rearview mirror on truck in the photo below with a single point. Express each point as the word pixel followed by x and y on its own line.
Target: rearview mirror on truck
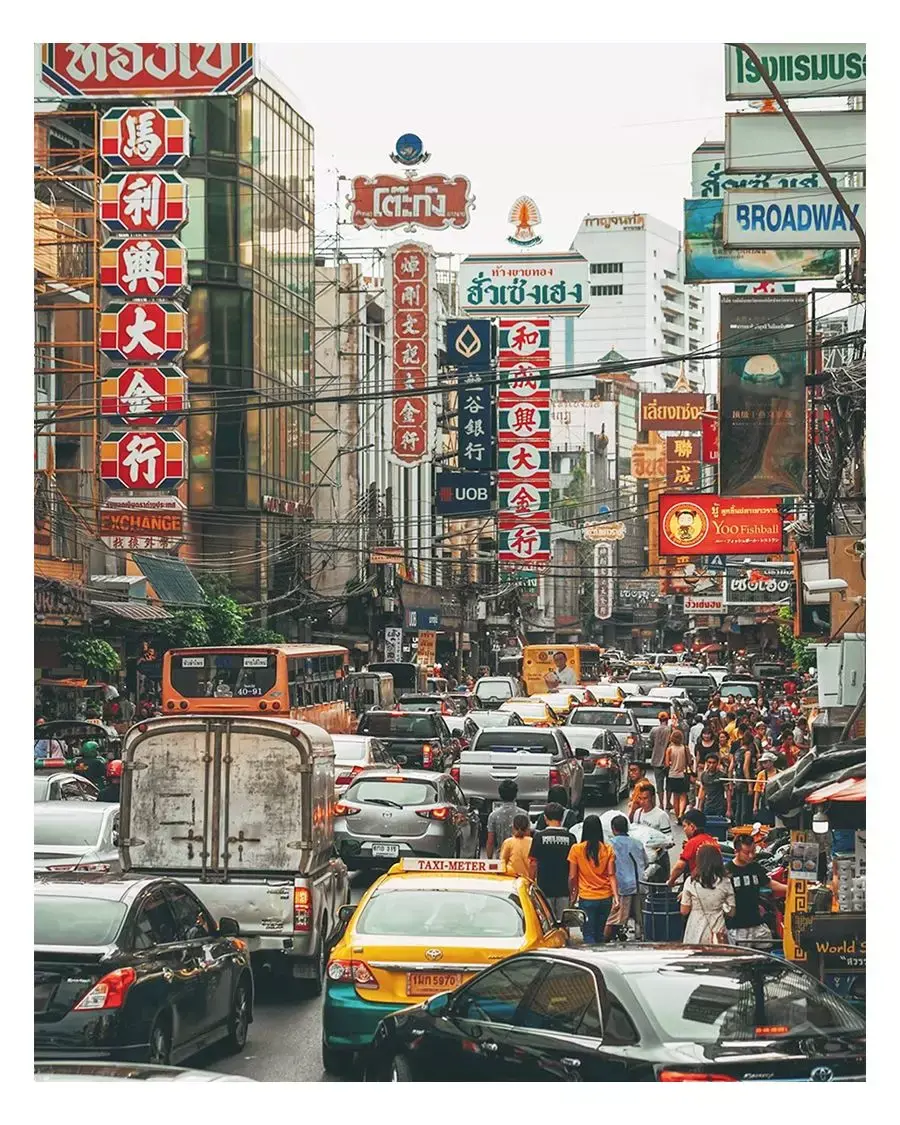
pixel 228 927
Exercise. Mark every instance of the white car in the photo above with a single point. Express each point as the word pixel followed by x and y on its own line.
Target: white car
pixel 76 836
pixel 354 753
pixel 718 672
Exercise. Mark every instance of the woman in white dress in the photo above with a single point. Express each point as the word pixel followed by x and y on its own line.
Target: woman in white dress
pixel 707 900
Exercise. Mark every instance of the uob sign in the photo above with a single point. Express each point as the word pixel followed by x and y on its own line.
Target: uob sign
pixel 462 493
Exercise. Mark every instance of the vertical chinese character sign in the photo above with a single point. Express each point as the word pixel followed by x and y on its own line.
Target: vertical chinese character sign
pixel 469 351
pixel 410 343
pixel 523 439
pixel 143 400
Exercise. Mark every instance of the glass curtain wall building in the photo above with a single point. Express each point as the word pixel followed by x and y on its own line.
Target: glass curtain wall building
pixel 249 358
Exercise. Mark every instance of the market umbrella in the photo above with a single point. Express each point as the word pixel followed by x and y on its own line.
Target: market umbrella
pixel 853 789
pixel 711 648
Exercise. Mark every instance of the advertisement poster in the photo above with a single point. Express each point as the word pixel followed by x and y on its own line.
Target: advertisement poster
pixel 804 862
pixel 762 396
pixel 707 260
pixel 701 524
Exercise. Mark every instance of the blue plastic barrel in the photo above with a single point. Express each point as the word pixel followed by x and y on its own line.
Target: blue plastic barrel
pixel 663 920
pixel 718 826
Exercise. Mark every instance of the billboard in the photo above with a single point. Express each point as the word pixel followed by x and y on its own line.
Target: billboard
pixel 756 141
pixel 706 258
pixel 800 70
pixel 146 70
pixel 524 284
pixel 411 346
pixel 636 593
pixel 462 493
pixel 757 584
pixel 762 396
pixel 142 523
pixel 770 218
pixel 385 202
pixel 701 524
pixel 671 410
pixel 709 179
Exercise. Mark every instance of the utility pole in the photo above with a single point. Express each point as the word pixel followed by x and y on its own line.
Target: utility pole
pixel 462 595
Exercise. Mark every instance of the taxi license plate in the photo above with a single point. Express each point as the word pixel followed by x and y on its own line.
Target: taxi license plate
pixel 426 984
pixel 390 851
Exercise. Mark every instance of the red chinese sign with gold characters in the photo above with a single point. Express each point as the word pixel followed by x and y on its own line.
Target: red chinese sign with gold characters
pixel 411 348
pixel 154 70
pixel 142 396
pixel 142 459
pixel 143 202
pixel 385 202
pixel 683 463
pixel 709 525
pixel 142 331
pixel 144 137
pixel 143 266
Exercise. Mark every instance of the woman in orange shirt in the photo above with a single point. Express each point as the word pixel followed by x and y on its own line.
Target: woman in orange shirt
pixel 592 879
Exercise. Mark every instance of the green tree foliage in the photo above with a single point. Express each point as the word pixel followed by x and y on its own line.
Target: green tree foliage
pixel 186 628
pixel 802 653
pixel 95 657
pixel 257 635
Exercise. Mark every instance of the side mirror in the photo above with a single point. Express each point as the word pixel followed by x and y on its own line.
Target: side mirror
pixel 438 1004
pixel 345 913
pixel 580 752
pixel 572 916
pixel 228 927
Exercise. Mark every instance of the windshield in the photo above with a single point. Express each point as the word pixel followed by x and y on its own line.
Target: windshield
pixel 223 675
pixel 591 664
pixel 73 830
pixel 397 792
pixel 693 681
pixel 76 921
pixel 769 670
pixel 749 691
pixel 419 703
pixel 399 726
pixel 644 677
pixel 494 689
pixel 490 718
pixel 433 913
pixel 509 741
pixel 349 749
pixel 610 718
pixel 527 710
pixel 708 1000
pixel 643 705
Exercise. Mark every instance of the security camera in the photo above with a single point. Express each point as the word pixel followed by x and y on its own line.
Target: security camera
pixel 824 586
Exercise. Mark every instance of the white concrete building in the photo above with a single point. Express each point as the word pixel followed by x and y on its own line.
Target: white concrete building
pixel 640 307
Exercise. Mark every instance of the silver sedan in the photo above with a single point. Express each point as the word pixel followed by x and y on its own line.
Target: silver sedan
pixel 76 836
pixel 63 786
pixel 354 754
pixel 385 816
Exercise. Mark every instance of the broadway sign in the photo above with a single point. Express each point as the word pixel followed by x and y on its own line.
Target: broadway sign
pixel 672 411
pixel 435 202
pixel 146 70
pixel 759 584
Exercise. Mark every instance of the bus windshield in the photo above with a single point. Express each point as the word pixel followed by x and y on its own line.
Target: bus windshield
pixel 223 675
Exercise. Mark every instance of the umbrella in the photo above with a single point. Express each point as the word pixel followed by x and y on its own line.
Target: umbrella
pixel 711 648
pixel 853 789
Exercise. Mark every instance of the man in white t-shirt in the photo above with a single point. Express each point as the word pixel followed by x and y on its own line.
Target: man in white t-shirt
pixel 648 812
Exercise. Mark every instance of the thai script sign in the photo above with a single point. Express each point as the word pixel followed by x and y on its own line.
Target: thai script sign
pixel 759 584
pixel 604 532
pixel 426 648
pixel 411 345
pixel 435 202
pixel 144 137
pixel 808 70
pixel 143 266
pixel 143 459
pixel 710 440
pixel 711 604
pixel 671 410
pixel 284 507
pixel 703 525
pixel 141 396
pixel 710 181
pixel 776 218
pixel 143 202
pixel 148 70
pixel 648 462
pixel 613 222
pixel 524 284
pixel 393 645
pixel 754 142
pixel 60 599
pixel 636 593
pixel 706 258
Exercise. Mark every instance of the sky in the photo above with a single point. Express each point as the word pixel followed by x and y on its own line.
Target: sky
pixel 583 129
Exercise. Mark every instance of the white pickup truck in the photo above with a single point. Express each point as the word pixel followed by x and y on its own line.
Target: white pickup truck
pixel 240 809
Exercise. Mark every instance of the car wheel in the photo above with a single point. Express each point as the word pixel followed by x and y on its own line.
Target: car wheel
pixel 401 1071
pixel 239 1017
pixel 312 986
pixel 335 1062
pixel 160 1052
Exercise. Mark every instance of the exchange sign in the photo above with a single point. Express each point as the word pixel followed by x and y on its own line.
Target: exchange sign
pixel 142 523
pixel 143 202
pixel 704 525
pixel 524 285
pixel 143 267
pixel 142 331
pixel 144 136
pixel 141 396
pixel 148 70
pixel 385 202
pixel 142 459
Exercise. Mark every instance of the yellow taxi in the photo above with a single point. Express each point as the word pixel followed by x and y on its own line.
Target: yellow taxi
pixel 607 695
pixel 426 926
pixel 532 710
pixel 563 701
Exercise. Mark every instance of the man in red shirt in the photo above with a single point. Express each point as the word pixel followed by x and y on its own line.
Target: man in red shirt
pixel 694 824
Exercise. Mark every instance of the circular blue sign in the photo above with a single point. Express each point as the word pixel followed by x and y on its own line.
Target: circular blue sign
pixel 409 148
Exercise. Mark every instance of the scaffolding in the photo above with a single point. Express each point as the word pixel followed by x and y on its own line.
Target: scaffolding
pixel 67 234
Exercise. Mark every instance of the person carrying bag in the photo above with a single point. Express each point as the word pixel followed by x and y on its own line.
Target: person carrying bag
pixel 707 899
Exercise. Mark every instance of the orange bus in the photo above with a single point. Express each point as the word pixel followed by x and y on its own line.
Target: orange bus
pixel 304 681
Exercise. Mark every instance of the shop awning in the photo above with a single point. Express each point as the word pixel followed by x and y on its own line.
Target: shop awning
pixel 171 579
pixel 853 789
pixel 134 611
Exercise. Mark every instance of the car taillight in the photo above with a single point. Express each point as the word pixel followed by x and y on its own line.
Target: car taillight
pixel 183 705
pixel 61 867
pixel 442 812
pixel 108 992
pixel 171 705
pixel 347 778
pixel 601 761
pixel 555 779
pixel 92 867
pixel 694 1076
pixel 302 910
pixel 341 809
pixel 446 709
pixel 454 773
pixel 427 755
pixel 351 972
pixel 276 706
pixel 263 705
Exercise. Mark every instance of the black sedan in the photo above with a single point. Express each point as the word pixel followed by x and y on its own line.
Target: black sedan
pixel 605 770
pixel 645 1013
pixel 134 970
